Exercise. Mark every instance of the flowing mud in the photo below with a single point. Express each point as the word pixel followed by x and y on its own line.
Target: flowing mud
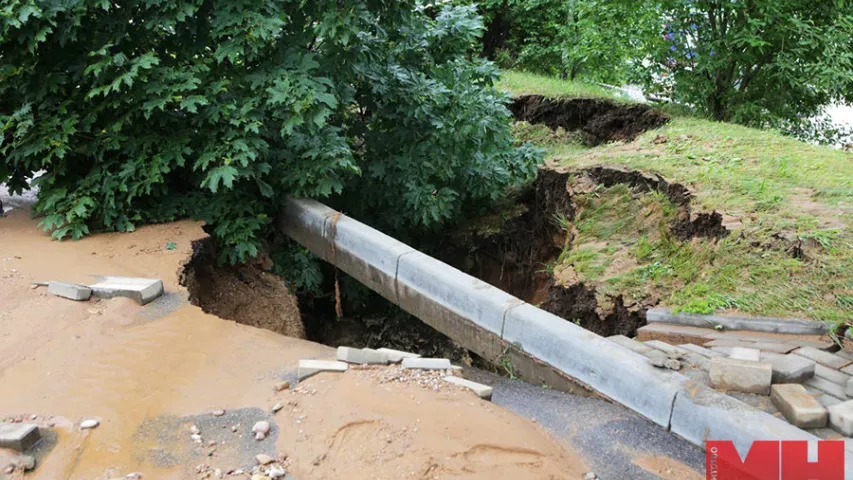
pixel 600 120
pixel 150 373
pixel 516 255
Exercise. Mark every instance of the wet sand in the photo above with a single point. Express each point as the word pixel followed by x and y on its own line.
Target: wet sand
pixel 149 372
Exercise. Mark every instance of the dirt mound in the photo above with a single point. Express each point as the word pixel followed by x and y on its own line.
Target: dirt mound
pixel 599 119
pixel 246 294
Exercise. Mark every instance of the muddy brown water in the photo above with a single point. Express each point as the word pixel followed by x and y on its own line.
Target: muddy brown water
pixel 134 368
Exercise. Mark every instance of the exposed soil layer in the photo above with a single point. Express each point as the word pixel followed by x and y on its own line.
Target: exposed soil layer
pixel 601 120
pixel 246 294
pixel 515 257
pixel 686 224
pixel 371 321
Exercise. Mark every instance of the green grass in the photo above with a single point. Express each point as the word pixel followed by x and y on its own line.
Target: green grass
pixel 762 182
pixel 521 83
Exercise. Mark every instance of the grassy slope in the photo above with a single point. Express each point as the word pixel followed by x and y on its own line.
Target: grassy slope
pixel 763 183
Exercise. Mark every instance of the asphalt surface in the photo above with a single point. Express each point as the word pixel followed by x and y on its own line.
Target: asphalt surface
pixel 607 435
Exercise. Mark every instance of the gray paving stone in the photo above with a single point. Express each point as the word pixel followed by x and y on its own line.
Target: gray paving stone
pixel 789 368
pixel 798 407
pixel 763 346
pixel 630 344
pixel 397 356
pixel 482 391
pixel 18 436
pixel 741 375
pixel 701 350
pixel 824 358
pixel 749 354
pixel 69 291
pixel 662 359
pixel 697 360
pixel 308 368
pixel 822 397
pixel 427 363
pixel 849 387
pixel 841 418
pixel 664 347
pixel 826 386
pixel 848 369
pixel 143 290
pixel 361 356
pixel 831 374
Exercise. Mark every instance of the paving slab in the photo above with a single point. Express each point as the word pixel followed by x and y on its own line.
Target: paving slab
pixel 848 387
pixel 741 375
pixel 665 347
pixel 701 350
pixel 826 386
pixel 308 368
pixel 789 368
pixel 630 344
pixel 361 356
pixel 824 398
pixel 733 322
pixel 749 354
pixel 798 407
pixel 70 291
pixel 824 358
pixel 818 344
pixel 662 359
pixel 848 369
pixel 841 418
pixel 397 356
pixel 427 363
pixel 19 436
pixel 831 374
pixel 143 290
pixel 482 391
pixel 763 346
pixel 676 333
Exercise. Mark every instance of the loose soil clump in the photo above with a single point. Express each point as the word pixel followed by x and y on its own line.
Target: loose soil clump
pixel 601 120
pixel 246 294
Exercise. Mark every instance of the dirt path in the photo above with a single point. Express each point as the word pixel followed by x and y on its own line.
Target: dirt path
pixel 149 373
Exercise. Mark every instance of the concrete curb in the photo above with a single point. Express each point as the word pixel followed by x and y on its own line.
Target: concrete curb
pixel 488 321
pixel 793 326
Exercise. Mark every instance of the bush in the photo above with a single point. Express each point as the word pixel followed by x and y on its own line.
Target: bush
pixel 148 111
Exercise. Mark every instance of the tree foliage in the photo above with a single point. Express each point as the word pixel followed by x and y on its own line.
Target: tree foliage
pixel 759 62
pixel 151 110
pixel 593 39
pixel 767 63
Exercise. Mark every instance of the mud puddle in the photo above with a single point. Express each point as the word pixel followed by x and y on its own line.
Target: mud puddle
pixel 150 373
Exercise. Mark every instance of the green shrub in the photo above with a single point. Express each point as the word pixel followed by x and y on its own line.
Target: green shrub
pixel 148 111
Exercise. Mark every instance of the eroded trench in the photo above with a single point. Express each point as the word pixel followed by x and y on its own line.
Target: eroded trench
pixel 511 255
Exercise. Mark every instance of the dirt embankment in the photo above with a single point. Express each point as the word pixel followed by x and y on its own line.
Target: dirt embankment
pixel 516 256
pixel 600 120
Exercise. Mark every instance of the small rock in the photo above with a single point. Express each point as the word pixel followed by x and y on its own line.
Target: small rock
pixel 211 443
pixel 25 462
pixel 194 430
pixel 133 476
pixel 9 469
pixel 261 427
pixel 276 472
pixel 258 476
pixel 218 413
pixel 276 408
pixel 282 386
pixel 590 476
pixel 33 417
pixel 260 436
pixel 264 459
pixel 89 423
pixel 196 437
pixel 234 428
